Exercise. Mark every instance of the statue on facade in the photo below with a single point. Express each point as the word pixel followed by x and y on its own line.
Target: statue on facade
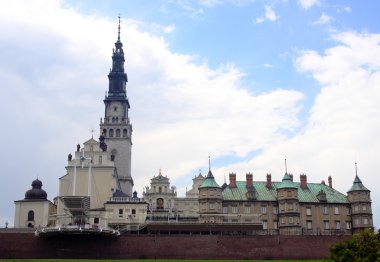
pixel 69 157
pixel 78 147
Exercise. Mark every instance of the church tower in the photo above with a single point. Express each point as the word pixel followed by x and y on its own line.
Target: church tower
pixel 116 127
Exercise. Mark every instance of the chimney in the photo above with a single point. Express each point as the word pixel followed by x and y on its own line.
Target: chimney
pixel 269 181
pixel 330 182
pixel 303 180
pixel 249 178
pixel 291 177
pixel 232 180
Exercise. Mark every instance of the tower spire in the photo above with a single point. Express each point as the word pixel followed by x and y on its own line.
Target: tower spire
pixel 118 30
pixel 209 164
pixel 356 168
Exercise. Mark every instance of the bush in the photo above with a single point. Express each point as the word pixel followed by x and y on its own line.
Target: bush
pixel 363 247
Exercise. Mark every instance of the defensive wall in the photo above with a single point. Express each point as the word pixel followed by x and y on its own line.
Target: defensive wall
pixel 24 244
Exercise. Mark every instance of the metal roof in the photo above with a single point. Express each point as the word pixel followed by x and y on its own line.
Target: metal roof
pixel 308 195
pixel 358 185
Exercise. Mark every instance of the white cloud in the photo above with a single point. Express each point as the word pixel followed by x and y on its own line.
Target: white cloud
pixel 306 4
pixel 259 20
pixel 181 111
pixel 323 20
pixel 210 3
pixel 343 124
pixel 267 65
pixel 270 14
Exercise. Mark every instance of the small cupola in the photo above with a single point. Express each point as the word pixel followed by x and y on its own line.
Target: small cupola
pixel 36 192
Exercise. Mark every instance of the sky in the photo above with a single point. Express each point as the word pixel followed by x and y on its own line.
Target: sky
pixel 246 82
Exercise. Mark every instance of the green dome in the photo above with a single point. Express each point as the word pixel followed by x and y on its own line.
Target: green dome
pixel 287 182
pixel 209 181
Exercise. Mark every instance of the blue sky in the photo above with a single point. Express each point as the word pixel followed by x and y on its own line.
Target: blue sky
pixel 247 82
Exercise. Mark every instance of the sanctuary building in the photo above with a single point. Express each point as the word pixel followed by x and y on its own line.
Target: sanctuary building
pixel 96 192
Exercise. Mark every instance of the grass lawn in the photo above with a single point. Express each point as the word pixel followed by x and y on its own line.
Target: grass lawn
pixel 144 260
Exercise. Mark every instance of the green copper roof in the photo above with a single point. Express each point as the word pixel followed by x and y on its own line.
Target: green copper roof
pixel 286 182
pixel 209 181
pixel 308 195
pixel 358 185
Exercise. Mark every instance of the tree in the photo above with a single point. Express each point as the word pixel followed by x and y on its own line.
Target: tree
pixel 363 247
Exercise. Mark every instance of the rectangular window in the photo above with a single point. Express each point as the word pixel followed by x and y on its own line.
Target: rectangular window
pixel 365 221
pixel 348 225
pixel 290 206
pixel 224 210
pixel 348 211
pixel 291 220
pixel 275 210
pixel 133 211
pixel 326 225
pixel 100 159
pixel 265 224
pixel 309 224
pixel 247 210
pixel 337 225
pixel 263 209
pixel 336 210
pixel 282 207
pixel 275 224
pixel 212 206
pixel 357 221
pixel 121 212
pixel 356 208
pixel 234 210
pixel 96 220
pixel 283 220
pixel 308 211
pixel 364 208
pixel 325 210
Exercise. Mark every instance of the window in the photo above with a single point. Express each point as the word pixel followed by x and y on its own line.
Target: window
pixel 234 210
pixel 289 194
pixel 100 159
pixel 111 132
pixel 263 209
pixel 290 206
pixel 356 208
pixel 247 210
pixel 115 108
pixel 309 224
pixel 337 225
pixel 357 221
pixel 326 225
pixel 291 220
pixel 275 210
pixel 120 212
pixel 365 221
pixel 117 132
pixel 364 208
pixel 224 210
pixel 265 224
pixel 325 210
pixel 133 211
pixel 283 220
pixel 282 207
pixel 31 215
pixel 336 210
pixel 159 190
pixel 125 132
pixel 212 206
pixel 96 220
pixel 348 211
pixel 348 224
pixel 308 211
pixel 212 219
pixel 275 224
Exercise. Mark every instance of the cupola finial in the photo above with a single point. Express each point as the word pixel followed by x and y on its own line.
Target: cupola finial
pixel 286 167
pixel 356 168
pixel 209 164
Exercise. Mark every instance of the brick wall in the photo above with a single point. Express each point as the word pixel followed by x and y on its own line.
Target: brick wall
pixel 26 245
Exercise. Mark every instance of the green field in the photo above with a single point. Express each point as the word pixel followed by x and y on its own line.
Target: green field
pixel 146 260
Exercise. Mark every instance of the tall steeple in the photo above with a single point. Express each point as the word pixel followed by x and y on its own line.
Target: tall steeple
pixel 116 127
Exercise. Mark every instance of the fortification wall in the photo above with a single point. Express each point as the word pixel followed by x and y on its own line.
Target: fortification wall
pixel 26 245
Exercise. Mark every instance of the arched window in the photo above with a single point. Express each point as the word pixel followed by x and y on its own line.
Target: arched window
pixel 104 132
pixel 117 132
pixel 31 215
pixel 111 132
pixel 117 120
pixel 125 132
